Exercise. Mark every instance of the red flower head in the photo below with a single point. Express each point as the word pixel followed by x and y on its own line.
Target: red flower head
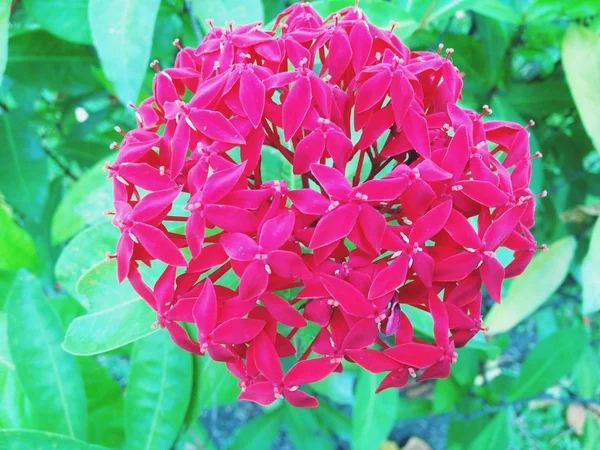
pixel 405 197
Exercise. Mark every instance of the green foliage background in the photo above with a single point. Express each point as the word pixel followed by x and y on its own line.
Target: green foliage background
pixel 80 367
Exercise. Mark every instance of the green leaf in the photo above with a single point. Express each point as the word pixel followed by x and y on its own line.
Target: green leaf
pixel 30 439
pixel 66 20
pixel 586 374
pixel 275 167
pixel 40 60
pixel 526 294
pixel 466 367
pixel 17 249
pixel 548 10
pixel 301 423
pixel 444 9
pixel 223 11
pixel 539 99
pixel 496 434
pixel 83 252
pixel 4 15
pixel 373 415
pixel 23 168
pixel 589 274
pixel 549 361
pixel 104 404
pixel 158 393
pixel 581 49
pixel 12 398
pixel 410 408
pixel 217 385
pixel 196 437
pixel 122 33
pixel 338 387
pixel 117 315
pixel 497 10
pixel 259 433
pixel 50 377
pixel 495 40
pixel 445 395
pixel 83 205
pixel 591 432
pixel 335 420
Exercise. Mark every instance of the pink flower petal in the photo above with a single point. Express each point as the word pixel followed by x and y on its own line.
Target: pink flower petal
pixel 308 371
pixel 282 311
pixel 237 331
pixel 205 310
pixel 296 106
pixel 252 96
pixel 239 247
pixel 215 125
pixel 158 244
pixel 350 299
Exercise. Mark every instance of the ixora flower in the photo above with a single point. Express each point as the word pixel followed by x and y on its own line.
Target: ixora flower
pixel 401 199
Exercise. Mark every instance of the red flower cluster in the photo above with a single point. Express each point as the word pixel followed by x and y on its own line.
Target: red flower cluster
pixel 335 97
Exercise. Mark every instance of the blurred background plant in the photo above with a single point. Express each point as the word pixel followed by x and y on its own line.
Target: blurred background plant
pixel 110 381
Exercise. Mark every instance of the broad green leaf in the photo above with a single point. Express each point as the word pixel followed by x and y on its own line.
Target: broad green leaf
pixel 104 404
pixel 50 377
pixel 302 423
pixel 6 281
pixel 443 9
pixel 495 40
pixel 4 15
pixel 410 408
pixel 334 419
pixel 40 440
pixel 99 285
pixel 586 374
pixel 539 99
pixel 547 10
pixel 196 437
pixel 446 393
pixel 170 26
pixel 83 252
pixel 17 249
pixel 217 386
pixel 590 278
pixel 591 432
pixel 373 415
pixel 338 387
pixel 526 294
pixel 117 316
pixel 466 367
pixel 259 433
pixel 13 402
pixel 496 434
pixel 498 10
pixel 122 33
pixel 40 60
pixel 23 168
pixel 65 19
pixel 581 50
pixel 84 204
pixel 158 393
pixel 12 398
pixel 241 13
pixel 462 433
pixel 549 361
